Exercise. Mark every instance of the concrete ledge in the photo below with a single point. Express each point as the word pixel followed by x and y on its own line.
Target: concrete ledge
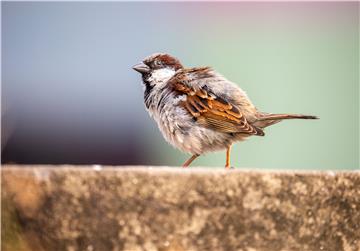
pixel 167 209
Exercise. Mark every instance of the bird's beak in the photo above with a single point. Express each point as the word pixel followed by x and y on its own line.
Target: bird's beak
pixel 142 68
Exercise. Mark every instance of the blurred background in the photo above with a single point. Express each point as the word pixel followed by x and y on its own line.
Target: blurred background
pixel 69 95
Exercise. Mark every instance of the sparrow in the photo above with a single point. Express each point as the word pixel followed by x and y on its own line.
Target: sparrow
pixel 198 110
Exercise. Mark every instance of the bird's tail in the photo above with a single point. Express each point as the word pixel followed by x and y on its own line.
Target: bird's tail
pixel 267 119
pixel 285 116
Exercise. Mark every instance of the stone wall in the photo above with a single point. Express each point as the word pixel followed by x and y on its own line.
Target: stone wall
pixel 167 209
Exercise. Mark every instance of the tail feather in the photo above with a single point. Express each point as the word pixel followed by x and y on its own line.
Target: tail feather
pixel 285 116
pixel 267 119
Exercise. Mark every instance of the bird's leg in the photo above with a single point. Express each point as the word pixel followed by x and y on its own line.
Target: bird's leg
pixel 228 150
pixel 188 162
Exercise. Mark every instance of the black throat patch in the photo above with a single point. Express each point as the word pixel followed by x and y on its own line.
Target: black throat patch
pixel 148 89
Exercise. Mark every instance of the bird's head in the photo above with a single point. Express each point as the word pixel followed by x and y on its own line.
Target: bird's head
pixel 158 68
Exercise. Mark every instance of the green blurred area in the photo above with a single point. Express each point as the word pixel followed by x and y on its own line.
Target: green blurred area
pixel 284 68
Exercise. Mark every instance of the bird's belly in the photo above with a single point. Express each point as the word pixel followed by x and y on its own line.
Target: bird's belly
pixel 201 140
pixel 180 130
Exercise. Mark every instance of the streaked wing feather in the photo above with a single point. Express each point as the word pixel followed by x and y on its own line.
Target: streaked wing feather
pixel 210 110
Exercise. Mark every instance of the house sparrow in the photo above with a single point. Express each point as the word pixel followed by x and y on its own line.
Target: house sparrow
pixel 198 110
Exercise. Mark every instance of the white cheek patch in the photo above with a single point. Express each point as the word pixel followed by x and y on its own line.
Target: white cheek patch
pixel 161 75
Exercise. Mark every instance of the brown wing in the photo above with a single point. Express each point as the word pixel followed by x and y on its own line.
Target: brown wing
pixel 210 110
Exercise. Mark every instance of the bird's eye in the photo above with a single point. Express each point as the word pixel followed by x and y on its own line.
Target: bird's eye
pixel 157 63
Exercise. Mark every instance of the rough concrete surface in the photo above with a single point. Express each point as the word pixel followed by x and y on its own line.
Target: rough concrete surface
pixel 167 209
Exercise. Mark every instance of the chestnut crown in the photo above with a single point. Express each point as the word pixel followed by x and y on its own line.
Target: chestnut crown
pixel 158 61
